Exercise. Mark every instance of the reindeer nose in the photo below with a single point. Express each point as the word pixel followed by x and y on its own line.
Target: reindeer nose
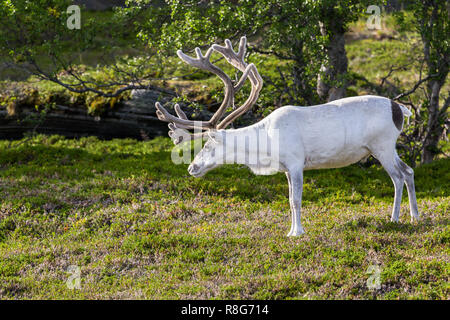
pixel 193 168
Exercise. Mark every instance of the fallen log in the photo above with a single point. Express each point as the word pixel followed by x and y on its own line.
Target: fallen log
pixel 134 118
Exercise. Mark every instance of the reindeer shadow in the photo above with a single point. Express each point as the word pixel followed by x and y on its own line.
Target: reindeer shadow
pixel 384 225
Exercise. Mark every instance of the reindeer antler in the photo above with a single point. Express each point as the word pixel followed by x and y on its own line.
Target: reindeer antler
pixel 236 59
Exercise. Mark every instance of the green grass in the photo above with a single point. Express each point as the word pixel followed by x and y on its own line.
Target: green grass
pixel 139 226
pixel 373 58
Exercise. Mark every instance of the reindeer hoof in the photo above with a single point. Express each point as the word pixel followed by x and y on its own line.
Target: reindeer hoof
pixel 296 232
pixel 394 219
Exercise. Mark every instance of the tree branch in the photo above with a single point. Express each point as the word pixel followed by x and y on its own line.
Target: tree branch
pixel 417 85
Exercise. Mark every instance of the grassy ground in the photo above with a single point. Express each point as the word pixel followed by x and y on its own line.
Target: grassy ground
pixel 139 227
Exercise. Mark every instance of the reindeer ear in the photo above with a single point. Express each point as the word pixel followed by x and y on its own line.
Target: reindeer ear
pixel 216 135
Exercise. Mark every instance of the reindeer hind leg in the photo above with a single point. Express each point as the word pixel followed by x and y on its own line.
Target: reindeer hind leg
pixel 389 163
pixel 408 173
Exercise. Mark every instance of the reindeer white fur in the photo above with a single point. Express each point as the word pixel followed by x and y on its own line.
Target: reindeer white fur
pixel 331 135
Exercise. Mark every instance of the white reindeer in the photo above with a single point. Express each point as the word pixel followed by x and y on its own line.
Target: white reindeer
pixel 331 135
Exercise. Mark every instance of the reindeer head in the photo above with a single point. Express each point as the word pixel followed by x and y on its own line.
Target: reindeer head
pixel 214 152
pixel 212 155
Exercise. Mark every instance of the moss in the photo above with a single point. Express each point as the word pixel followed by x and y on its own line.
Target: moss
pixel 97 105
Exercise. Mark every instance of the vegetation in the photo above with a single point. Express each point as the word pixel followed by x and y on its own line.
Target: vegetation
pixel 434 28
pixel 140 227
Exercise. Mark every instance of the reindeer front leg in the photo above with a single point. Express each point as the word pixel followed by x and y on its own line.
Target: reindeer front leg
pixel 295 180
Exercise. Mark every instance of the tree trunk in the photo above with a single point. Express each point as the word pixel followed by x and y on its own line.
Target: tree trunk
pixel 331 82
pixel 434 128
pixel 437 61
pixel 302 87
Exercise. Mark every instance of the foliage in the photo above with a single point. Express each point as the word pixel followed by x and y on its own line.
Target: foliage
pixel 289 30
pixel 35 37
pixel 33 28
pixel 431 116
pixel 140 227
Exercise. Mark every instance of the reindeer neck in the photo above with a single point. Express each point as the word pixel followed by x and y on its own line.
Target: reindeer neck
pixel 241 143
